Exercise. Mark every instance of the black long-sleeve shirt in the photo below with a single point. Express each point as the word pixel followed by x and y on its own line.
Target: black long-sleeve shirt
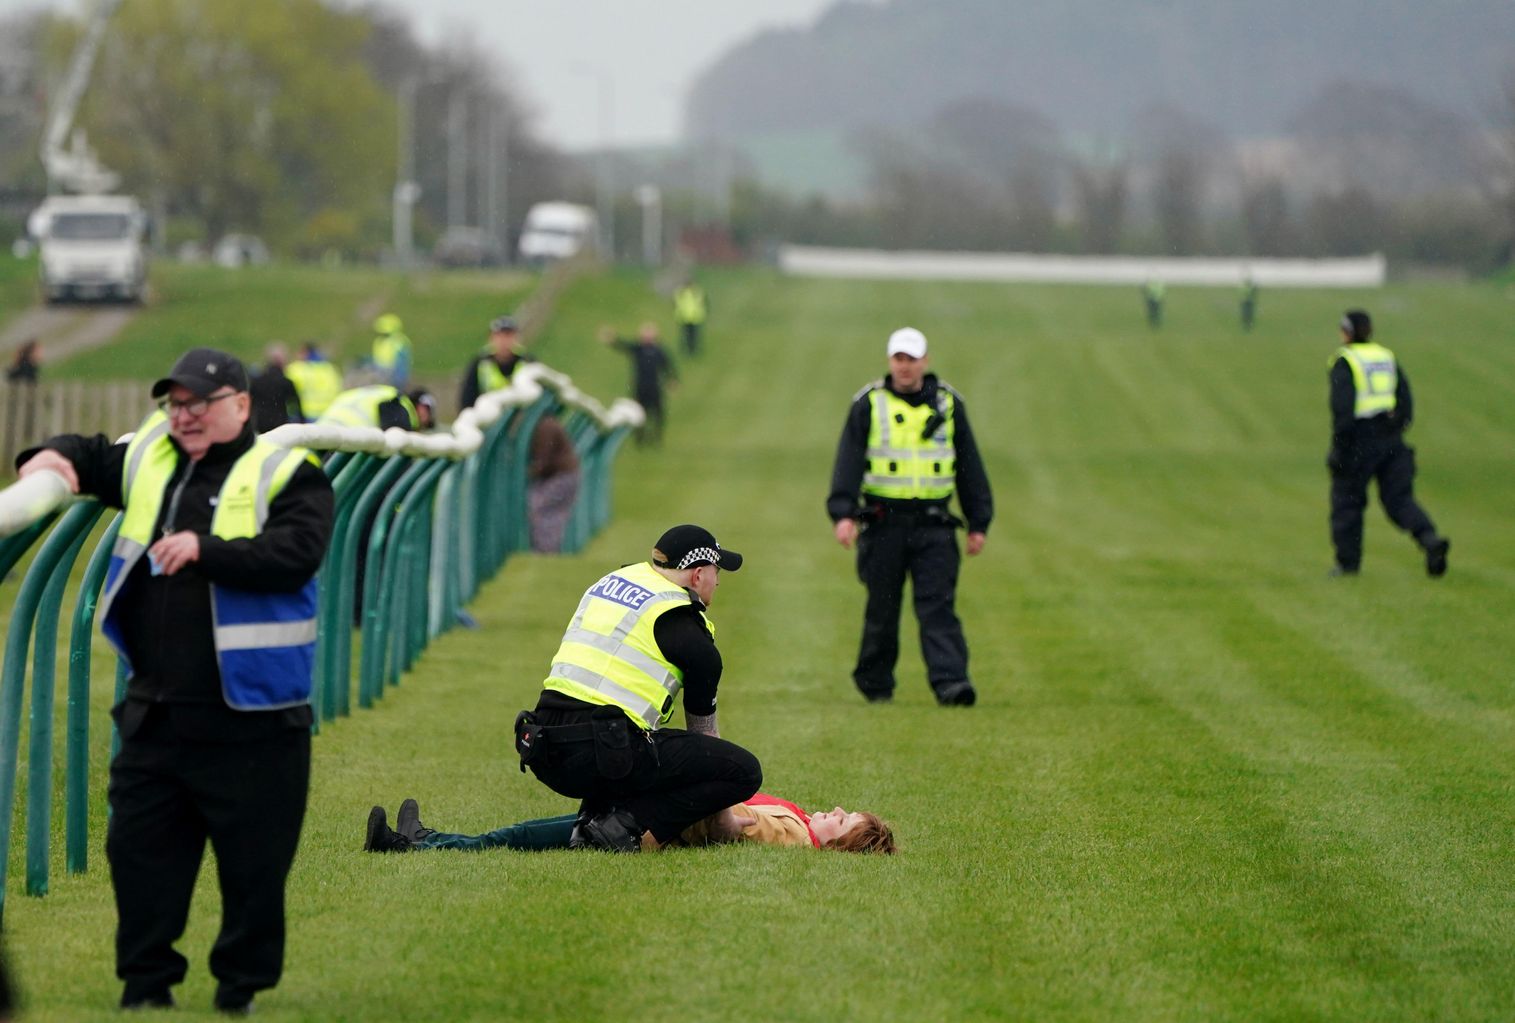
pixel 973 493
pixel 1347 431
pixel 166 620
pixel 651 365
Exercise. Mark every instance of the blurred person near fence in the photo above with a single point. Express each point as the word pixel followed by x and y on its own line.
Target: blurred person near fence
pixel 651 368
pixel 21 378
pixel 210 600
pixel 275 399
pixel 317 380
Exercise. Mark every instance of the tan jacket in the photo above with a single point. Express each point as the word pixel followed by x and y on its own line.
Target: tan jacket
pixel 776 825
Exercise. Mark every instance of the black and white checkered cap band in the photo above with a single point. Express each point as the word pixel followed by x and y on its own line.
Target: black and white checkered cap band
pixel 697 555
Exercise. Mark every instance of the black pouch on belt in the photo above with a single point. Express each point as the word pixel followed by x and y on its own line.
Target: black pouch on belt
pixel 614 756
pixel 529 738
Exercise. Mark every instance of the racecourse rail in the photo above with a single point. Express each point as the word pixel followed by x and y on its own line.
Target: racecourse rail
pixel 447 510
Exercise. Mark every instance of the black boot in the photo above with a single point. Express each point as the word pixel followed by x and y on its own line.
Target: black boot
pixel 409 825
pixel 379 838
pixel 1436 556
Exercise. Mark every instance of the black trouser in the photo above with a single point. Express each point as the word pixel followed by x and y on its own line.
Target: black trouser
pixel 652 430
pixel 691 338
pixel 1392 463
pixel 675 777
pixel 168 794
pixel 886 552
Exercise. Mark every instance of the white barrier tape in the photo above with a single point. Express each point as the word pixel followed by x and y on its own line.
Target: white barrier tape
pixel 28 500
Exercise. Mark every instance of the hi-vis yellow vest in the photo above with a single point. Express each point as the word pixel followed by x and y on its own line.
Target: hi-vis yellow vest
pixel 387 349
pixel 265 642
pixel 901 463
pixel 489 375
pixel 689 305
pixel 609 655
pixel 317 382
pixel 1376 376
pixel 359 406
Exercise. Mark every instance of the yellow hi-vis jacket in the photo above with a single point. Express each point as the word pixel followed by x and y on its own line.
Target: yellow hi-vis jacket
pixel 359 406
pixel 317 382
pixel 689 305
pixel 489 374
pixel 902 464
pixel 609 655
pixel 1376 375
pixel 265 642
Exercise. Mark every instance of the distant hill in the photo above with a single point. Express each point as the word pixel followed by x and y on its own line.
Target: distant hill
pixel 1091 66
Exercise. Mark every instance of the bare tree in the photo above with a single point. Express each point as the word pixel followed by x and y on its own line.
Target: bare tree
pixel 1101 193
pixel 1265 217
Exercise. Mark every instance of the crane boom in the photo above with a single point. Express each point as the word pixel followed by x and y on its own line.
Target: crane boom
pixel 76 168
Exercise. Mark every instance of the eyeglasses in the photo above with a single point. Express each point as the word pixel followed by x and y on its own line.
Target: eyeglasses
pixel 196 407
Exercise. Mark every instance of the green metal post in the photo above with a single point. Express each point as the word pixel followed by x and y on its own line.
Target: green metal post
pixel 379 496
pixel 334 646
pixel 76 770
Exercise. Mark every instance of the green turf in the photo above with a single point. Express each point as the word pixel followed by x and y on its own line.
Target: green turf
pixel 1203 781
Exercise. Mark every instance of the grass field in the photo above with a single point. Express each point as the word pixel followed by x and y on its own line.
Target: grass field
pixel 1203 781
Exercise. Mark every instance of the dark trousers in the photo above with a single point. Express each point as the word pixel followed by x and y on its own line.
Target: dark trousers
pixel 1393 466
pixel 168 794
pixel 691 333
pixel 675 779
pixel 652 430
pixel 886 553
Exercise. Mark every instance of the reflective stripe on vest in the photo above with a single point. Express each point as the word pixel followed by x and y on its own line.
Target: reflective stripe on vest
pixel 360 406
pixel 265 642
pixel 489 375
pixel 1375 375
pixel 901 463
pixel 609 654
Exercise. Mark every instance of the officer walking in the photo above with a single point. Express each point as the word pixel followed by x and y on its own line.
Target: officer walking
pixel 639 638
pixel 210 599
pixel 690 310
pixel 1371 408
pixel 906 447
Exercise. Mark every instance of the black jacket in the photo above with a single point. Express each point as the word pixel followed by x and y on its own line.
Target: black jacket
pixel 274 400
pixel 1348 433
pixel 973 493
pixel 166 620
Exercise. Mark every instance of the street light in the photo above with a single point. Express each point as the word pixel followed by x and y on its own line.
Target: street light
pixel 604 182
pixel 650 198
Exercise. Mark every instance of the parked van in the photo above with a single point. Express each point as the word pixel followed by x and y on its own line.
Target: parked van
pixel 558 230
pixel 91 246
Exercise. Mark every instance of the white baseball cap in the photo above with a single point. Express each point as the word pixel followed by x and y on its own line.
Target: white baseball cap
pixel 908 341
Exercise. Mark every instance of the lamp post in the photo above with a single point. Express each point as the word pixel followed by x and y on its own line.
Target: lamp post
pixel 650 198
pixel 604 173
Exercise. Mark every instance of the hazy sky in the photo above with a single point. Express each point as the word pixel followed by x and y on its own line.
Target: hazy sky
pixel 642 54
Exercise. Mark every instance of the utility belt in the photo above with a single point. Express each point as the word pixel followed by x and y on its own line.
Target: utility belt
pixel 608 728
pixel 924 515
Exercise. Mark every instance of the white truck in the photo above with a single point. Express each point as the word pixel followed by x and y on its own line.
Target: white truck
pixel 91 246
pixel 558 230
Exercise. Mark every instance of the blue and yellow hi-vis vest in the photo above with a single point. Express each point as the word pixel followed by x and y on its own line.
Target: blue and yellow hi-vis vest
pixel 265 642
pixel 1375 375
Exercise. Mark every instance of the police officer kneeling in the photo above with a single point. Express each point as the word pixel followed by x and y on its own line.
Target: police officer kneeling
pixel 210 599
pixel 640 637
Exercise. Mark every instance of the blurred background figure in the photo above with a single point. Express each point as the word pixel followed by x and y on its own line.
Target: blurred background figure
pixel 275 400
pixel 21 397
pixel 1152 298
pixel 1248 303
pixel 651 367
pixel 425 404
pixel 690 308
pixel 552 484
pixel 317 381
pixel 492 368
pixel 391 351
pixel 376 405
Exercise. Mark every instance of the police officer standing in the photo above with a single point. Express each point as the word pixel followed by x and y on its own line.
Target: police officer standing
pixel 1371 408
pixel 906 447
pixel 493 367
pixel 210 599
pixel 392 350
pixel 690 310
pixel 639 639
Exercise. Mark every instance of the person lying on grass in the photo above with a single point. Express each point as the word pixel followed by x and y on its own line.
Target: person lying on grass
pixel 769 821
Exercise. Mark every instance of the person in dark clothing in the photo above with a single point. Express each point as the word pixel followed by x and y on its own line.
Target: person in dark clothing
pixel 211 600
pixel 906 447
pixel 1371 408
pixel 651 368
pixel 26 364
pixel 493 367
pixel 638 639
pixel 1248 303
pixel 274 398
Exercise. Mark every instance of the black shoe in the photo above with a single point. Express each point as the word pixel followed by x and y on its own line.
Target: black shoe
pixel 239 1009
pixel 614 831
pixel 408 823
pixel 1340 572
pixel 879 697
pixel 956 694
pixel 379 837
pixel 161 1000
pixel 1436 557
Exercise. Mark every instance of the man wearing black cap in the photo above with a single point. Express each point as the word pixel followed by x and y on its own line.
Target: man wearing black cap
pixel 492 368
pixel 1371 408
pixel 638 639
pixel 906 448
pixel 210 598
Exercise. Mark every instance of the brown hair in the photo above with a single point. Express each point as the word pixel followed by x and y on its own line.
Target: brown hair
pixel 873 835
